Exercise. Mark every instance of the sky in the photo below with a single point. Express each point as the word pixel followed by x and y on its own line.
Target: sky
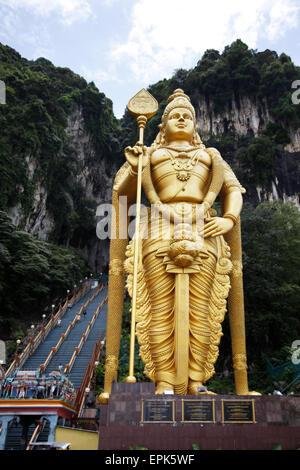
pixel 125 45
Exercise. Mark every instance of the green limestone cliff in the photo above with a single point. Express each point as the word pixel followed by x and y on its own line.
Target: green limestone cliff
pixel 59 151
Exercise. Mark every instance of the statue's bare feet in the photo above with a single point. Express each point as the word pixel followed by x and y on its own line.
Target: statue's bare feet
pixel 161 387
pixel 197 388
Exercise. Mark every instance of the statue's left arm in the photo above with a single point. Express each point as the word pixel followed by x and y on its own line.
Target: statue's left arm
pixel 231 195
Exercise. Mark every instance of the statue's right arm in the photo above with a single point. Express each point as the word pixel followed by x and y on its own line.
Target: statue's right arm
pixel 126 180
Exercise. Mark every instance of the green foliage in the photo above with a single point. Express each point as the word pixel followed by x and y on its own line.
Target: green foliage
pixel 33 275
pixel 100 373
pixel 271 260
pixel 41 98
pixel 221 384
pixel 271 247
pixel 239 71
pixel 125 348
pixel 255 162
pixel 100 121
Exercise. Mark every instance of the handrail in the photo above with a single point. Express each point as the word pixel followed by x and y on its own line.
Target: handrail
pixel 19 360
pixel 79 401
pixel 84 336
pixel 82 339
pixel 35 433
pixel 63 336
pixel 45 330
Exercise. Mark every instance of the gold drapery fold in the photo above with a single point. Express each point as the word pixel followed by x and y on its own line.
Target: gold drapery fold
pixel 208 291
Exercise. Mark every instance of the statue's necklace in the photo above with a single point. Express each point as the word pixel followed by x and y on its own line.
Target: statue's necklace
pixel 183 164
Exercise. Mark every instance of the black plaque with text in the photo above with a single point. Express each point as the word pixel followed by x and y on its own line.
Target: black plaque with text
pixel 158 411
pixel 238 411
pixel 198 411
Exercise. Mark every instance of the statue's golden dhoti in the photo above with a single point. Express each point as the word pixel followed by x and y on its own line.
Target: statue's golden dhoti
pixel 180 331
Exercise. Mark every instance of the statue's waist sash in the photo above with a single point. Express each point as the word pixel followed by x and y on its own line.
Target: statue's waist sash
pixel 159 233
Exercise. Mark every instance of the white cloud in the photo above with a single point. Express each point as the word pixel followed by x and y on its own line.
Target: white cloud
pixel 108 3
pixel 283 16
pixel 101 75
pixel 168 34
pixel 69 11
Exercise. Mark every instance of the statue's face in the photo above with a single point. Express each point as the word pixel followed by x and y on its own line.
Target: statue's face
pixel 180 125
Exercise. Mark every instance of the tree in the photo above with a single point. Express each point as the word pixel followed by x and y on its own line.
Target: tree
pixel 271 258
pixel 33 275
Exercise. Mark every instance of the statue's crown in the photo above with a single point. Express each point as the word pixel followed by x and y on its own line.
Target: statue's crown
pixel 178 100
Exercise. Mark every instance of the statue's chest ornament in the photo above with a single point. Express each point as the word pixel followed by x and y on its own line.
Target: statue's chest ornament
pixel 183 164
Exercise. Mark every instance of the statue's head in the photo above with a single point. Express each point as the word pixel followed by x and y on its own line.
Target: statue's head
pixel 178 100
pixel 179 108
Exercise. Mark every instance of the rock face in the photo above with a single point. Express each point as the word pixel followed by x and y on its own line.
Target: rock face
pixel 91 169
pixel 39 223
pixel 247 117
pixel 243 117
pixel 95 175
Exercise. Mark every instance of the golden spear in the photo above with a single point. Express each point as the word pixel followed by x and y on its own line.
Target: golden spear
pixel 142 106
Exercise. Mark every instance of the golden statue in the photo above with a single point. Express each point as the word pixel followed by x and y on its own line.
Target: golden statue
pixel 188 258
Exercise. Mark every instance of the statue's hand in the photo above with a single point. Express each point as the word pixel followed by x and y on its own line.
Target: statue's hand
pixel 133 154
pixel 215 226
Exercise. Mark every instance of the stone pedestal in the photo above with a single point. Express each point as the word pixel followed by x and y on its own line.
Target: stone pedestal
pixel 225 422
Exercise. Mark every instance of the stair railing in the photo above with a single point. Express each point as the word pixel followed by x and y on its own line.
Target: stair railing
pixel 21 359
pixel 36 433
pixel 33 343
pixel 84 337
pixel 80 395
pixel 64 335
pixel 55 348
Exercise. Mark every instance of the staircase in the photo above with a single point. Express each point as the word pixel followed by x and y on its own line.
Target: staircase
pixel 41 353
pixel 82 360
pixel 61 347
pixel 14 438
pixel 43 435
pixel 66 350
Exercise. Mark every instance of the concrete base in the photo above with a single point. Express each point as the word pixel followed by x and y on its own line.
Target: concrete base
pixel 122 427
